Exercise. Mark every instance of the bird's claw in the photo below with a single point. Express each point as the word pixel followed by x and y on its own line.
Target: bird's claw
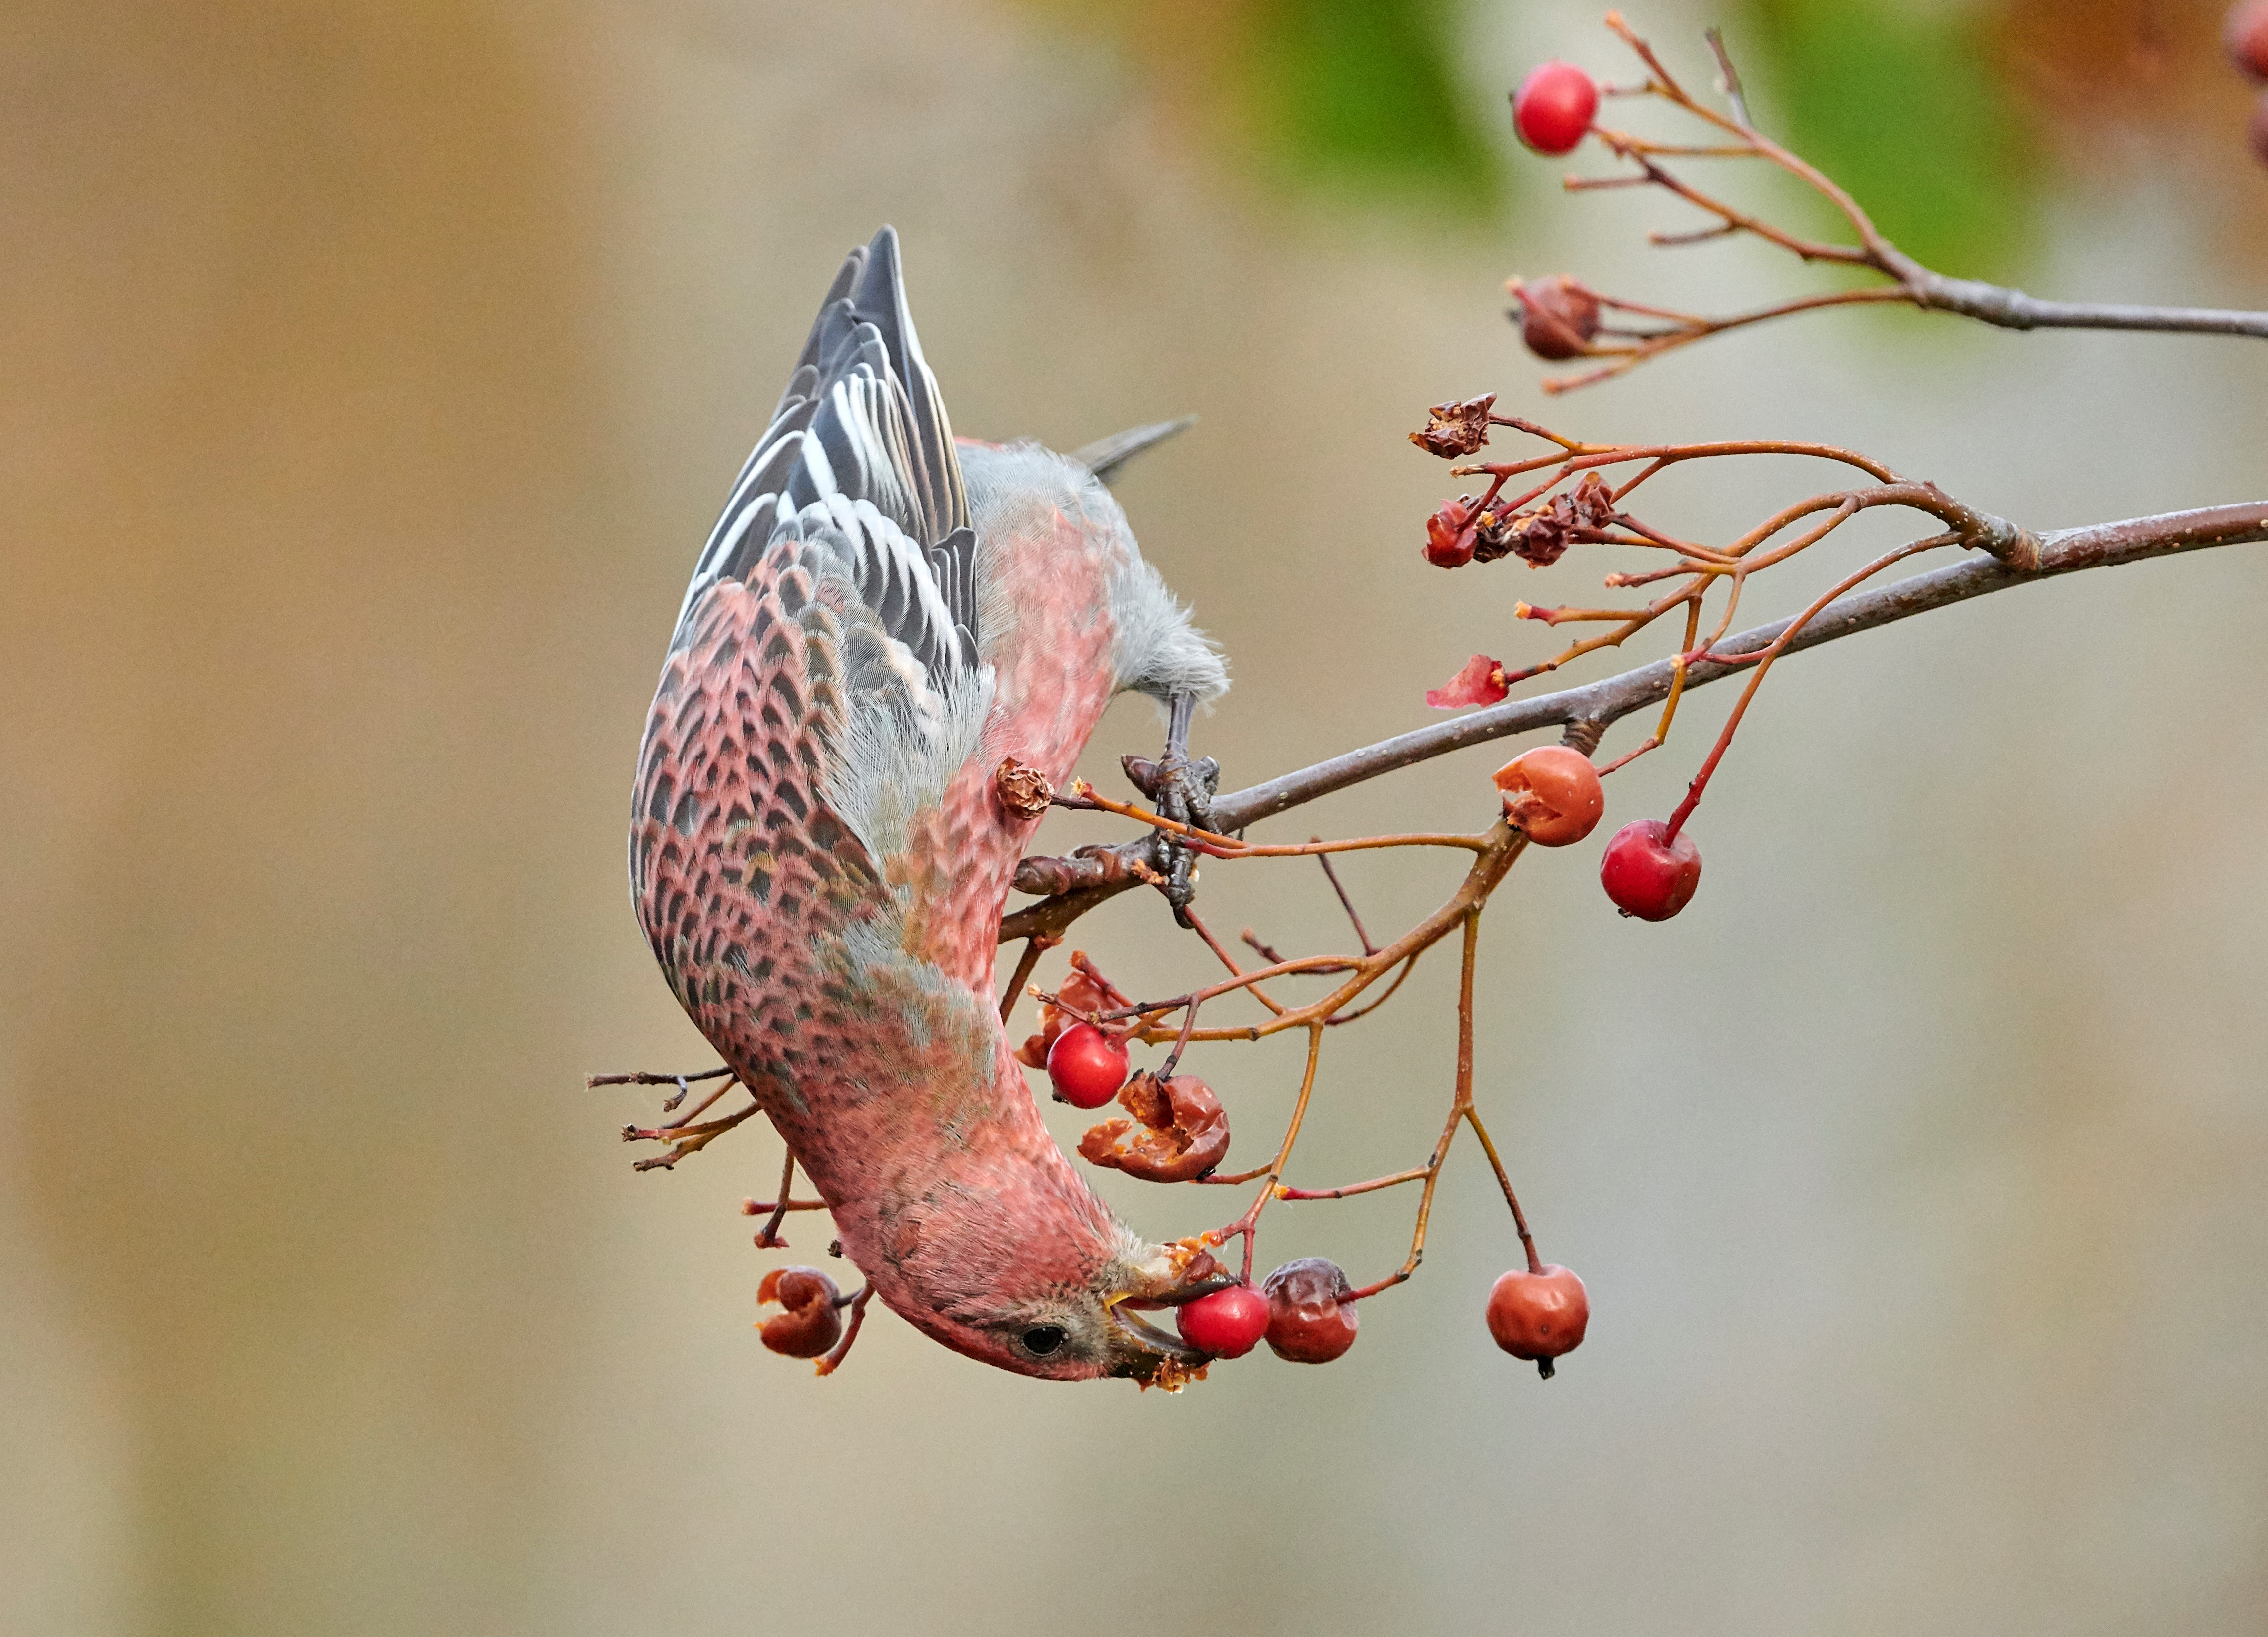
pixel 1183 790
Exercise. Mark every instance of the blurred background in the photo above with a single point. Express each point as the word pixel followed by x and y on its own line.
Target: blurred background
pixel 371 375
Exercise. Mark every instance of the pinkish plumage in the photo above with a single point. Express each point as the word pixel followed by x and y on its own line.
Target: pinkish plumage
pixel 816 852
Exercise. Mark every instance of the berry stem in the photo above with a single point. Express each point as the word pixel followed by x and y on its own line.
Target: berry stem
pixel 1459 1110
pixel 768 1236
pixel 834 1359
pixel 1188 1022
pixel 1372 1186
pixel 1345 903
pixel 1033 947
pixel 1779 647
pixel 1519 1220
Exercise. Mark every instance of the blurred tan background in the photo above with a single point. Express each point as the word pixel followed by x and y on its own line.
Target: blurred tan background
pixel 369 374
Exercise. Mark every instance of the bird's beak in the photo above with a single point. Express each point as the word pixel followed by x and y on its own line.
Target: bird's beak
pixel 1140 1349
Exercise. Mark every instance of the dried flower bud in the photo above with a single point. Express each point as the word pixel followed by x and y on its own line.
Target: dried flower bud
pixel 1023 791
pixel 1480 683
pixel 1183 1130
pixel 1454 430
pixel 813 1322
pixel 1449 535
pixel 1557 318
pixel 1542 536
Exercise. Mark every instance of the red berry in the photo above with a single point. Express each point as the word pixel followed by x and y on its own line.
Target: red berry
pixel 1310 1321
pixel 1449 535
pixel 2245 33
pixel 1227 1324
pixel 1086 1065
pixel 1552 794
pixel 1539 1316
pixel 1553 107
pixel 1648 876
pixel 1077 989
pixel 813 1322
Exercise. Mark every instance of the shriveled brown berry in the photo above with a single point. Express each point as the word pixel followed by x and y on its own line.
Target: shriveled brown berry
pixel 1178 1131
pixel 1023 791
pixel 1310 1321
pixel 1539 1315
pixel 813 1322
pixel 1454 430
pixel 1558 318
pixel 1552 794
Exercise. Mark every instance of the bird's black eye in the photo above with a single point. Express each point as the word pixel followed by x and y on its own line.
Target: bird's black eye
pixel 1041 1339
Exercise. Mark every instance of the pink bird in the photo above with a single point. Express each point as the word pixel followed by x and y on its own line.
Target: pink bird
pixel 818 854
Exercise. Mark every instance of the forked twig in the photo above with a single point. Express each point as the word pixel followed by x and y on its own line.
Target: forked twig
pixel 1907 281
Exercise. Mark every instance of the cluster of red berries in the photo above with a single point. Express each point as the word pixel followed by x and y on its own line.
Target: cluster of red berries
pixel 1305 1312
pixel 2246 34
pixel 1553 797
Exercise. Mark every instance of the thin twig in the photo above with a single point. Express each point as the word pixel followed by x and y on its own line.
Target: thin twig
pixel 768 1236
pixel 2066 552
pixel 1324 858
pixel 1908 280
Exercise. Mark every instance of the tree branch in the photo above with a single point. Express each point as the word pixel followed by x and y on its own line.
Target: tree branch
pixel 2066 552
pixel 1910 281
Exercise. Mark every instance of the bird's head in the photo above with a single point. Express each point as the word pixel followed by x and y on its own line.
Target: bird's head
pixel 1019 1265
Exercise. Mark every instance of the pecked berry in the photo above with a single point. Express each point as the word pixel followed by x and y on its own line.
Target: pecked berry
pixel 1539 1316
pixel 2245 33
pixel 1449 535
pixel 813 1322
pixel 1310 1321
pixel 1554 106
pixel 1558 318
pixel 1552 794
pixel 1086 1066
pixel 1648 876
pixel 1227 1324
pixel 1178 1131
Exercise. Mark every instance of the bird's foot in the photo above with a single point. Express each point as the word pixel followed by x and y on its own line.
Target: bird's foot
pixel 1183 788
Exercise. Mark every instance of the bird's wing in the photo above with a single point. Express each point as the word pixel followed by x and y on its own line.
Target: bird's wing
pixel 853 517
pixel 859 453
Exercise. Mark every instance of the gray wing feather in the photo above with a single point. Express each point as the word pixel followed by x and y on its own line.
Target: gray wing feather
pixel 861 451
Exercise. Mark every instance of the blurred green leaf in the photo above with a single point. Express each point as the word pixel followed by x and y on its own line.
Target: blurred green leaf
pixel 1902 106
pixel 1361 96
